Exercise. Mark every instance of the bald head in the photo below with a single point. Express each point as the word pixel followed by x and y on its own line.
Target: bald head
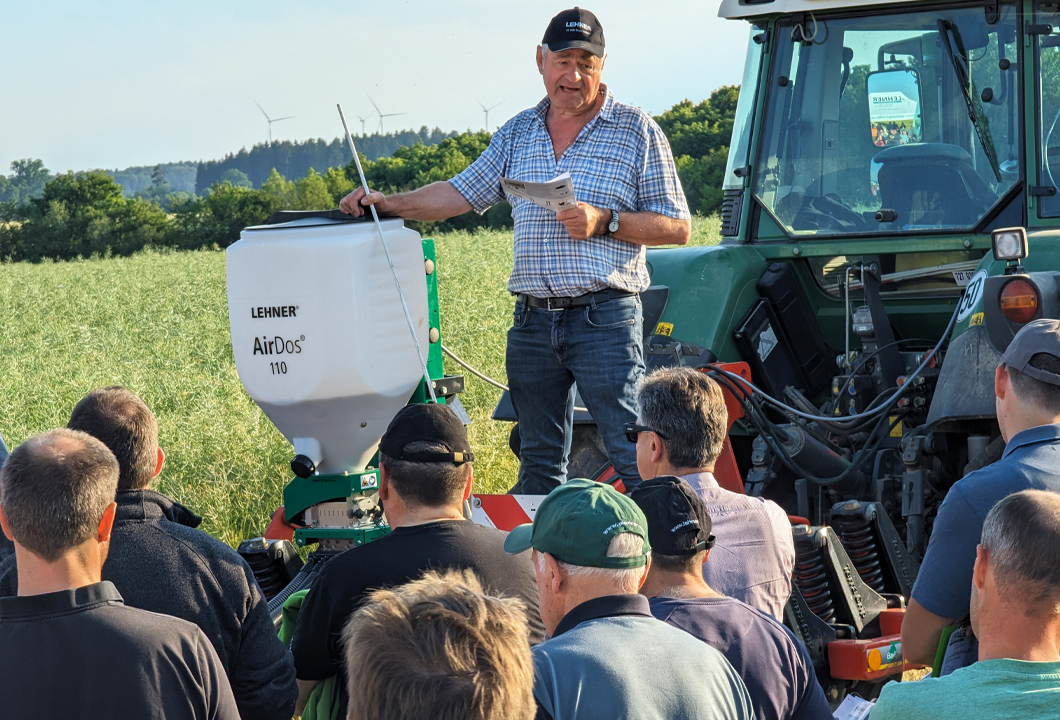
pixel 124 423
pixel 54 489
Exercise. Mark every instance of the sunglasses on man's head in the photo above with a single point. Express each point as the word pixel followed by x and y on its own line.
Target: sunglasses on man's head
pixel 632 430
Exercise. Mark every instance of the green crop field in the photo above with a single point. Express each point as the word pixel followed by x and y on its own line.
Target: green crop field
pixel 157 323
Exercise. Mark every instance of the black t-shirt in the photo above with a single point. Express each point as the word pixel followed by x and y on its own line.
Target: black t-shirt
pixel 403 555
pixel 82 653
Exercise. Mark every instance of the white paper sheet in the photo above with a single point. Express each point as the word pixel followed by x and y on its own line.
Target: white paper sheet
pixel 555 195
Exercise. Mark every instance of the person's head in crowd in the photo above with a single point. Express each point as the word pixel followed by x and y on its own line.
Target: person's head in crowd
pixel 589 540
pixel 681 423
pixel 57 505
pixel 123 422
pixel 679 531
pixel 439 648
pixel 1015 606
pixel 1027 382
pixel 425 464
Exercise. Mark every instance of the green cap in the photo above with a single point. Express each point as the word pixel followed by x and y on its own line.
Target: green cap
pixel 575 524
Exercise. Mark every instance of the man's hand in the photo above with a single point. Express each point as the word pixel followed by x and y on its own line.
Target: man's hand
pixel 352 205
pixel 583 221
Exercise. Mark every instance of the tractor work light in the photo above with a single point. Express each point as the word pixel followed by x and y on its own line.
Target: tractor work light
pixel 1019 300
pixel 1009 243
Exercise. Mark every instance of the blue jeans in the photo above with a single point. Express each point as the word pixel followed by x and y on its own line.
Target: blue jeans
pixel 597 346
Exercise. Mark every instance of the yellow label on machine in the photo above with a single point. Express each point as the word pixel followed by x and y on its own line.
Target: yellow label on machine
pixel 896 431
pixel 976 319
pixel 664 329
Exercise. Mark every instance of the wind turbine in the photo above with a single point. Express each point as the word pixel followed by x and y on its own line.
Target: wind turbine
pixel 486 110
pixel 362 119
pixel 382 114
pixel 271 120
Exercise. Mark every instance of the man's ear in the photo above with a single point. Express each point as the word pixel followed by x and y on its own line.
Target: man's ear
pixel 3 525
pixel 161 462
pixel 540 60
pixel 644 575
pixel 706 555
pixel 982 565
pixel 1001 382
pixel 106 523
pixel 658 449
pixel 470 481
pixel 384 485
pixel 554 576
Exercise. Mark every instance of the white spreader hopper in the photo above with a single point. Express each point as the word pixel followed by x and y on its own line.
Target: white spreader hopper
pixel 318 332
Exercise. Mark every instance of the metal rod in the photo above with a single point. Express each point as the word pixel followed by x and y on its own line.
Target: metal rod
pixel 386 249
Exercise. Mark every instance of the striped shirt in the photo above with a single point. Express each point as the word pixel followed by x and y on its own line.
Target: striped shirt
pixel 620 160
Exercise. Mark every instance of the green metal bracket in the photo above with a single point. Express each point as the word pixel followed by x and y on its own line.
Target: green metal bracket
pixel 359 536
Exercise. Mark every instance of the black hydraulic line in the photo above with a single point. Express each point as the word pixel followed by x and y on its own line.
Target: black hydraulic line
pixel 302 580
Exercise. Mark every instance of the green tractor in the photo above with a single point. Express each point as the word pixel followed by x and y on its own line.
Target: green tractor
pixel 889 222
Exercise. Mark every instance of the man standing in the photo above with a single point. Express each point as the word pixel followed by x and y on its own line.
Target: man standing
pixel 424 478
pixel 69 647
pixel 1027 386
pixel 607 657
pixel 680 431
pixel 160 562
pixel 577 273
pixel 1015 610
pixel 773 663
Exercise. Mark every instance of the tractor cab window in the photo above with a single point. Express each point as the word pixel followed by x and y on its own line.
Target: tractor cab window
pixel 1048 76
pixel 891 124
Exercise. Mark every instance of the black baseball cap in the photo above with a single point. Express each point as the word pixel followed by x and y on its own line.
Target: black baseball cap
pixel 1038 336
pixel 575 28
pixel 427 422
pixel 678 521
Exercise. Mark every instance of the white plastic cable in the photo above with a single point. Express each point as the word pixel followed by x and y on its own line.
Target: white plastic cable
pixel 386 249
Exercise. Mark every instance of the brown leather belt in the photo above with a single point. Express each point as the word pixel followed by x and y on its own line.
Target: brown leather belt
pixel 565 303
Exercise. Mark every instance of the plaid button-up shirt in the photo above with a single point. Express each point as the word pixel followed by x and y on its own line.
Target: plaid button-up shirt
pixel 620 160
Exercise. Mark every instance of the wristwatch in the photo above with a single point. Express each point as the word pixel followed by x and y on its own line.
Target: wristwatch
pixel 612 227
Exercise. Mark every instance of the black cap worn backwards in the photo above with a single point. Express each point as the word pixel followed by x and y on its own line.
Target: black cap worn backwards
pixel 427 422
pixel 575 28
pixel 678 521
pixel 1038 336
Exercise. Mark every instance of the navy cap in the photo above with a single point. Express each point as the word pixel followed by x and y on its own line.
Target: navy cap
pixel 575 28
pixel 678 521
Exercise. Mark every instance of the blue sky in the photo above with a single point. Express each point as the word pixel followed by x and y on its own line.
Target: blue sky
pixel 113 83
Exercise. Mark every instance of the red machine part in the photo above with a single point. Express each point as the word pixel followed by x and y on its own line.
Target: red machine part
pixel 871 659
pixel 279 528
pixel 726 471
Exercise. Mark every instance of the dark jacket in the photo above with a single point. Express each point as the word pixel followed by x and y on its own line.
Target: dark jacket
pixel 159 562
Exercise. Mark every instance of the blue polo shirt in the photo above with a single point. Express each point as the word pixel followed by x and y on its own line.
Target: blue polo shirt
pixel 1031 461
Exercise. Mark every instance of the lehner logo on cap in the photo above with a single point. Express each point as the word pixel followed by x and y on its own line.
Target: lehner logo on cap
pixel 577 26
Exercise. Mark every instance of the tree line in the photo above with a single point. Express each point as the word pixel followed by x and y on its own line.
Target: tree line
pixel 86 213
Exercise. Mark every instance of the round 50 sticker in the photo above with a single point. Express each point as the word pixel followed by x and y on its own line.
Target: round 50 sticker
pixel 973 293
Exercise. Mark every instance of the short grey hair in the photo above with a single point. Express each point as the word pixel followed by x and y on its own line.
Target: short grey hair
pixel 54 489
pixel 687 409
pixel 1021 534
pixel 625 580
